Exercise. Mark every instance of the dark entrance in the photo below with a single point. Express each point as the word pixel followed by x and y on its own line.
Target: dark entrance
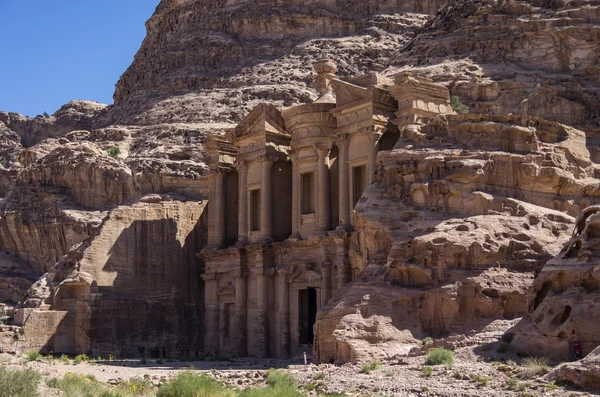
pixel 308 314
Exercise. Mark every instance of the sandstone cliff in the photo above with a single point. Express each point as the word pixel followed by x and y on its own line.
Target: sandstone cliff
pixel 461 216
pixel 463 213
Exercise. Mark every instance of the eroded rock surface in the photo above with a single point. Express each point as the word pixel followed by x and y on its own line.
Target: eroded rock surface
pixel 449 237
pixel 564 299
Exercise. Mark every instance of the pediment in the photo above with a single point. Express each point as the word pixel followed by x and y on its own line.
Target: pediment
pixel 226 290
pixel 346 93
pixel 304 273
pixel 263 119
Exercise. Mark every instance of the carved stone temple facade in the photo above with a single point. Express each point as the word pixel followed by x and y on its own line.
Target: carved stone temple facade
pixel 283 188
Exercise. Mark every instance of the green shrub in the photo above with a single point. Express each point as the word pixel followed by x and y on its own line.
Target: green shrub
pixel 370 366
pixel 427 341
pixel 523 386
pixel 74 385
pixel 79 358
pixel 281 379
pixel 511 384
pixel 441 356
pixel 535 366
pixel 458 106
pixel 65 359
pixel 21 383
pixel 190 385
pixel 318 376
pixel 427 371
pixel 388 374
pixel 33 355
pixel 482 380
pixel 134 387
pixel 114 152
pixel 310 387
pixel 46 115
pixel 279 384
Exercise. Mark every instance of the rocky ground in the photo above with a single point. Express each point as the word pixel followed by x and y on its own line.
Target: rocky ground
pixel 479 370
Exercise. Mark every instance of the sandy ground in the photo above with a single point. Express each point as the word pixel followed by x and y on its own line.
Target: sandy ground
pixel 399 377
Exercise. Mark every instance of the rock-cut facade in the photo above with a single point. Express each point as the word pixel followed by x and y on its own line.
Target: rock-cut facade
pixel 283 187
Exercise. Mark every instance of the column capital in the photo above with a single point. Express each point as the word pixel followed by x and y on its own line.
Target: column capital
pixel 209 276
pixel 239 273
pixel 343 139
pixel 322 147
pixel 373 131
pixel 268 160
pixel 284 271
pixel 241 166
pixel 261 271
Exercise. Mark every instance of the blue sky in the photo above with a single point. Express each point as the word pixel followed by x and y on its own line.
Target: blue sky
pixel 54 51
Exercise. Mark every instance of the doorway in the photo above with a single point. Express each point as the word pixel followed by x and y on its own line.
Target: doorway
pixel 308 314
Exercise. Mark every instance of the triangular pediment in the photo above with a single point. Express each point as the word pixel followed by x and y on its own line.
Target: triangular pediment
pixel 304 273
pixel 263 119
pixel 346 93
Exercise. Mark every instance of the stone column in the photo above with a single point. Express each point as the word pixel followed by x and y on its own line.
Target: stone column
pixel 284 314
pixel 241 323
pixel 211 294
pixel 295 199
pixel 216 234
pixel 344 181
pixel 326 286
pixel 266 206
pixel 243 229
pixel 261 316
pixel 373 150
pixel 323 216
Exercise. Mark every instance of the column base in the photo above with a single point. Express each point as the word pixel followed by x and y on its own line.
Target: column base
pixel 213 247
pixel 294 237
pixel 241 243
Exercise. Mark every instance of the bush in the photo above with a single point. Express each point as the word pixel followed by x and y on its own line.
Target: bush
pixel 427 372
pixel 114 152
pixel 370 366
pixel 318 376
pixel 535 366
pixel 280 379
pixel 427 341
pixel 190 385
pixel 46 115
pixel 482 380
pixel 65 359
pixel 135 387
pixel 458 106
pixel 441 356
pixel 279 384
pixel 74 385
pixel 511 384
pixel 21 383
pixel 79 358
pixel 32 355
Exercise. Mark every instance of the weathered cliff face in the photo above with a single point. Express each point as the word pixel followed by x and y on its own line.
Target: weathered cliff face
pixel 133 288
pixel 449 236
pixel 220 58
pixel 563 301
pixel 536 58
pixel 75 115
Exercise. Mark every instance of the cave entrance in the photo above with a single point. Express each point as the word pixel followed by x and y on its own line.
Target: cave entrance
pixel 308 314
